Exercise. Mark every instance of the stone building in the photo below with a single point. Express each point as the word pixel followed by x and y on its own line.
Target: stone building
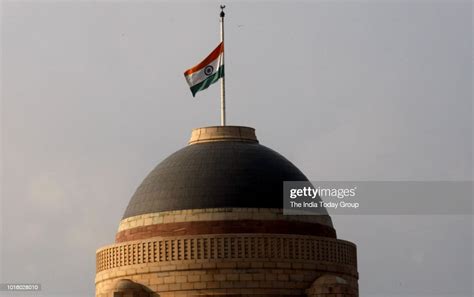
pixel 208 221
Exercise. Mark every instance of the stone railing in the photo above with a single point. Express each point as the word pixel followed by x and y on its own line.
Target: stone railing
pixel 227 247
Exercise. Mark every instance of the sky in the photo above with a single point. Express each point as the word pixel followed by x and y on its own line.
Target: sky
pixel 93 97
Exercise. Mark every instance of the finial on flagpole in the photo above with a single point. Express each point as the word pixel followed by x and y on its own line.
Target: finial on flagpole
pixel 222 11
pixel 222 14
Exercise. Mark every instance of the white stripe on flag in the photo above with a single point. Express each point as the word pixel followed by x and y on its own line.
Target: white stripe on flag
pixel 199 76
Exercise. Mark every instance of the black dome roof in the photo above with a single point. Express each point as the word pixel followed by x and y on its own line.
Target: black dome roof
pixel 215 175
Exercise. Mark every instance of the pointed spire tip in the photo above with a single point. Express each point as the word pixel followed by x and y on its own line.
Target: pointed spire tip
pixel 222 11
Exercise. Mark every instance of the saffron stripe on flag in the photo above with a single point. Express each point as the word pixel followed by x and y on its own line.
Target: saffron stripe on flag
pixel 212 56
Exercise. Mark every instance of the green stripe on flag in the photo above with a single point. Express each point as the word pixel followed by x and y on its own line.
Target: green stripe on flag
pixel 208 81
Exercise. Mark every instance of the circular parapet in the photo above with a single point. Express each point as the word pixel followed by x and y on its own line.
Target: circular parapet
pixel 243 264
pixel 223 133
pixel 229 247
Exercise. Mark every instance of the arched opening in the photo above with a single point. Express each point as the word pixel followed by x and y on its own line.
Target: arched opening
pixel 129 288
pixel 332 285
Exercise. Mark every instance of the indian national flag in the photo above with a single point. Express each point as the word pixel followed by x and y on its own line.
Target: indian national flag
pixel 204 74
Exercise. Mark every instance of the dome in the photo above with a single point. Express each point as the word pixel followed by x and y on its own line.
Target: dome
pixel 212 212
pixel 222 167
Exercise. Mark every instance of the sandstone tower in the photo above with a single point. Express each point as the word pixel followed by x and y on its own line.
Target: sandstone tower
pixel 208 221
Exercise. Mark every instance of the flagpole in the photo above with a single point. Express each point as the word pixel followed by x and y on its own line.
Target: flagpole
pixel 223 77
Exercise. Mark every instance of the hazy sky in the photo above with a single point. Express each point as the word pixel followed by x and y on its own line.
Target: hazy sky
pixel 93 97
